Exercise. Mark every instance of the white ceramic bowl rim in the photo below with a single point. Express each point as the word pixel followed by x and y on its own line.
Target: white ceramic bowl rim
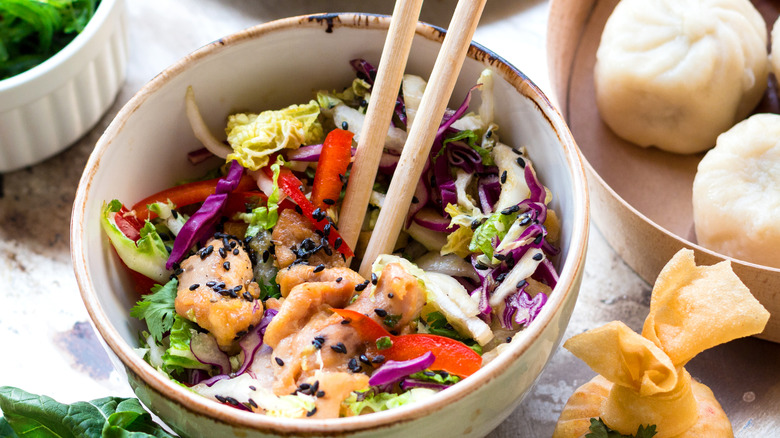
pixel 62 57
pixel 201 405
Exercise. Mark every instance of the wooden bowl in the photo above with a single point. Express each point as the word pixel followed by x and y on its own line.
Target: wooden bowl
pixel 640 197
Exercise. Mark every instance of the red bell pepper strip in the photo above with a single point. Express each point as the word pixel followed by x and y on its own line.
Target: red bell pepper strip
pixel 334 160
pixel 129 225
pixel 188 194
pixel 451 355
pixel 291 185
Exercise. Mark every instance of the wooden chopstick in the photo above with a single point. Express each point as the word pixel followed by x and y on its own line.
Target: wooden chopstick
pixel 390 71
pixel 418 144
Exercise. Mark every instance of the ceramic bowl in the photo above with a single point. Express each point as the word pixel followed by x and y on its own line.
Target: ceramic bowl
pixel 45 109
pixel 274 65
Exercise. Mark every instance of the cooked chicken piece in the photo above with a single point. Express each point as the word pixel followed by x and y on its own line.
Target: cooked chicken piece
pixel 322 344
pixel 334 387
pixel 216 291
pixel 298 274
pixel 307 337
pixel 294 232
pixel 396 300
pixel 303 302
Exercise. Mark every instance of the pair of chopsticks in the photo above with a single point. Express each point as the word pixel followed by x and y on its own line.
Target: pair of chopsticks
pixel 423 131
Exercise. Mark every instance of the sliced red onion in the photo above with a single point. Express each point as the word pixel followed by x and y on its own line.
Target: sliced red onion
pixel 388 163
pixel 252 341
pixel 422 197
pixel 309 154
pixel 204 347
pixel 546 273
pixel 393 371
pixel 448 121
pixel 407 384
pixel 199 155
pixel 430 219
pixel 202 222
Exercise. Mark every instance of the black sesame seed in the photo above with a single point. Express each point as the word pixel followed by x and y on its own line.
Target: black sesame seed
pixel 354 366
pixel 327 249
pixel 304 386
pixel 337 243
pixel 298 209
pixel 233 244
pixel 390 295
pixel 319 268
pixel 226 265
pixel 503 177
pixel 338 280
pixel 178 271
pixel 517 151
pixel 429 373
pixel 194 286
pixel 510 210
pixel 253 388
pixel 525 220
pixel 252 402
pixel 326 230
pixel 222 252
pixel 314 386
pixel 508 339
pixel 221 285
pixel 235 251
pixel 363 358
pixel 480 266
pixel 374 278
pixel 320 394
pixel 415 200
pixel 329 201
pixel 346 321
pixel 360 287
pixel 499 257
pixel 381 312
pixel 220 398
pixel 521 162
pixel 344 125
pixel 238 288
pixel 538 256
pixel 521 284
pixel 339 348
pixel 378 359
pixel 232 293
pixel 314 410
pixel 247 296
pixel 211 283
pixel 266 255
pixel 538 239
pixel 501 277
pixel 175 214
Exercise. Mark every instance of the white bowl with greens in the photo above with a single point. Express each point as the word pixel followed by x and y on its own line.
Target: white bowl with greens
pixel 50 94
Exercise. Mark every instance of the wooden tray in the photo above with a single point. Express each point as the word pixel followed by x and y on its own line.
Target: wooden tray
pixel 640 198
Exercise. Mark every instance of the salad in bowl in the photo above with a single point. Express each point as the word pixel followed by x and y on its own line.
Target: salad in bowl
pixel 247 292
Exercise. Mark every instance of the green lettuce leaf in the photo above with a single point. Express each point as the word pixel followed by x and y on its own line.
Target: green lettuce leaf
pixel 31 415
pixel 157 308
pixel 147 256
pixel 496 226
pixel 254 137
pixel 178 356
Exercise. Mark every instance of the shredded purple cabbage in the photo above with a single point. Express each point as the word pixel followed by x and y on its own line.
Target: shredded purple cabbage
pixel 367 72
pixel 252 341
pixel 489 190
pixel 407 384
pixel 202 222
pixel 206 351
pixel 393 371
pixel 522 308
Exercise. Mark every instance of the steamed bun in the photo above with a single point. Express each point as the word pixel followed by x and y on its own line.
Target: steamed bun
pixel 736 192
pixel 676 73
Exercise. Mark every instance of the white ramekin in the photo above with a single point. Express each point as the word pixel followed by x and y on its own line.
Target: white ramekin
pixel 47 108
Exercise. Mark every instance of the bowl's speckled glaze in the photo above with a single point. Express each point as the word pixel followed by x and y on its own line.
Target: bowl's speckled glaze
pixel 276 64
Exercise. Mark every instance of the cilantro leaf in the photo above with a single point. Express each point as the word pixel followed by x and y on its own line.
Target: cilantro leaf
pixel 600 430
pixel 157 308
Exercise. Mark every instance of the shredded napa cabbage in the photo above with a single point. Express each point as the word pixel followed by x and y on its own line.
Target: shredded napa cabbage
pixel 265 218
pixel 165 211
pixel 491 232
pixel 368 401
pixel 254 137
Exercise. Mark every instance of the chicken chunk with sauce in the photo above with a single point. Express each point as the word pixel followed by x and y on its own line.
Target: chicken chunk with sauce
pixel 295 239
pixel 217 291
